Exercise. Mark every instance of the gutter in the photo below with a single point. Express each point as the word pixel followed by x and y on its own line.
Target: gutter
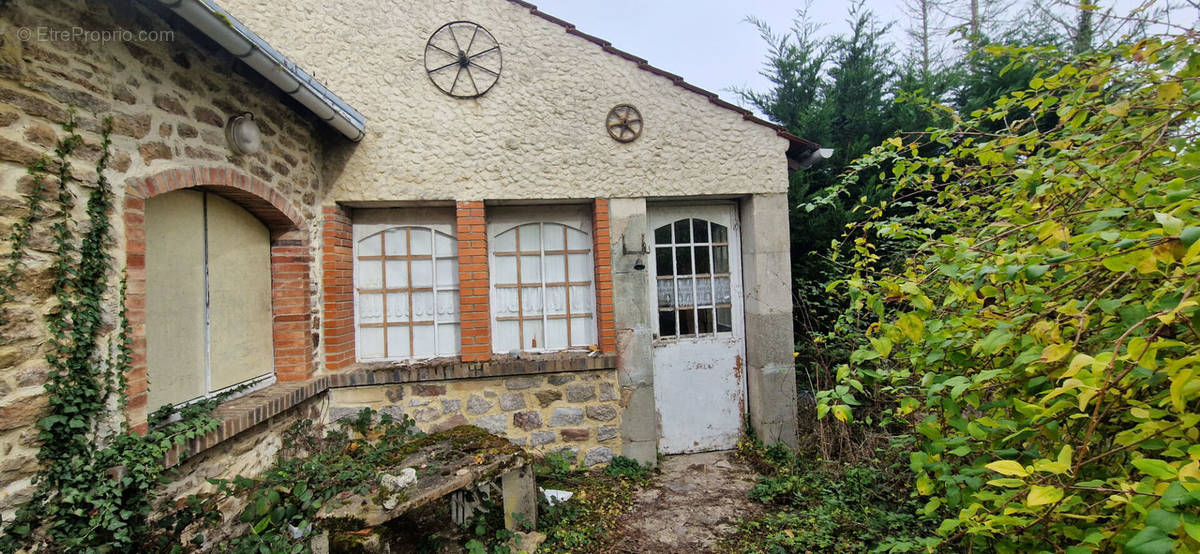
pixel 244 44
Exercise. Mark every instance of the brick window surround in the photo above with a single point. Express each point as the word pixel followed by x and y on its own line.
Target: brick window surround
pixel 291 311
pixel 337 264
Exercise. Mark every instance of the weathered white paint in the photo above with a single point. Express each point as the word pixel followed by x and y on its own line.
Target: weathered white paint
pixel 699 382
pixel 538 133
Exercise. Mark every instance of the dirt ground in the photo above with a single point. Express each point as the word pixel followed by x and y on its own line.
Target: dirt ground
pixel 696 501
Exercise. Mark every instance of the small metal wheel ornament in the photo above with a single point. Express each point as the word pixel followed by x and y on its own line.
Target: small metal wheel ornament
pixel 624 123
pixel 463 59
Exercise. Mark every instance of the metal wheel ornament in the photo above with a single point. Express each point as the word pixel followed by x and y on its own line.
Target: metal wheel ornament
pixel 463 59
pixel 624 123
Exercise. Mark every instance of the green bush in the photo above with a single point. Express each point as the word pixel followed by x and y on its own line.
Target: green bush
pixel 1043 344
pixel 627 468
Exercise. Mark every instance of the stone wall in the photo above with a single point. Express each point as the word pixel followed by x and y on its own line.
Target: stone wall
pixel 169 99
pixel 538 133
pixel 578 413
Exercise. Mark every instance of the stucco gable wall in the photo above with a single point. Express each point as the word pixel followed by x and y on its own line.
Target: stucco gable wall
pixel 539 133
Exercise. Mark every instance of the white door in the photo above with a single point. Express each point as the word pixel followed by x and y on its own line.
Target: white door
pixel 699 343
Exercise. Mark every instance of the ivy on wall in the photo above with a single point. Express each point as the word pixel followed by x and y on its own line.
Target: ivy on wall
pixel 94 486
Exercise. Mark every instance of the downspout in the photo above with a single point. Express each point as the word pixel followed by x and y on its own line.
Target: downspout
pixel 235 38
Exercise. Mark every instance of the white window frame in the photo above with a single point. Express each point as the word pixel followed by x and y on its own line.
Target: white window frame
pixel 368 222
pixel 578 217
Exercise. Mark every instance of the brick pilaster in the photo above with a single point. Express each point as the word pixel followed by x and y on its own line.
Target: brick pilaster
pixel 337 282
pixel 605 325
pixel 473 282
pixel 291 318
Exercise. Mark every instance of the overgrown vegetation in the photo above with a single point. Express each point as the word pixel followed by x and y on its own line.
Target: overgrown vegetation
pixel 1041 345
pixel 585 522
pixel 314 467
pixel 827 507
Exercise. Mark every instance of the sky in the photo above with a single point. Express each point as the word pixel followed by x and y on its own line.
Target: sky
pixel 707 42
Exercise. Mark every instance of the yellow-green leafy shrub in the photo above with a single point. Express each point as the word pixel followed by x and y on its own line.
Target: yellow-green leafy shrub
pixel 1043 343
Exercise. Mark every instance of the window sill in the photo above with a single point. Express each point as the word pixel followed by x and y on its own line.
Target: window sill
pixel 443 369
pixel 244 412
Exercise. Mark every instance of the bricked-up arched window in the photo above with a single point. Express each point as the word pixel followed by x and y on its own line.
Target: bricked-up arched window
pixel 542 275
pixel 406 288
pixel 208 297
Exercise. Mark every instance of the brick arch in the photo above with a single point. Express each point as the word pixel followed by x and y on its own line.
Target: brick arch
pixel 291 309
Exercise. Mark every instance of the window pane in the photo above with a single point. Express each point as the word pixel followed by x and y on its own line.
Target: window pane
pixel 533 334
pixel 422 273
pixel 421 241
pixel 506 270
pixel 683 231
pixel 531 301
pixel 369 246
pixel 578 240
pixel 582 299
pixel 666 293
pixel 701 259
pixel 704 293
pixel 423 340
pixel 556 268
pixel 662 261
pixel 666 323
pixel 397 274
pixel 556 333
pixel 531 268
pixel 505 302
pixel 370 341
pixel 397 337
pixel 370 308
pixel 581 270
pixel 723 295
pixel 581 331
pixel 699 230
pixel 447 273
pixel 506 241
pixel 556 300
pixel 720 259
pixel 396 242
pixel 397 306
pixel 687 322
pixel 445 245
pixel 662 235
pixel 724 320
pixel 531 237
pixel 719 233
pixel 422 306
pixel 447 306
pixel 370 275
pixel 683 260
pixel 507 336
pixel 684 290
pixel 448 339
pixel 553 237
pixel 706 320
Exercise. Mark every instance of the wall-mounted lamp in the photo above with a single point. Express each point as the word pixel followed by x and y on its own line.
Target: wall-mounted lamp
pixel 242 134
pixel 638 265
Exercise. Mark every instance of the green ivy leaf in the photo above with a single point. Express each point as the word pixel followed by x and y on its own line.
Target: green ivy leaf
pixel 1150 540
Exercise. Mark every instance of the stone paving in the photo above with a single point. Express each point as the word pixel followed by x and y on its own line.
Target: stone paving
pixel 697 500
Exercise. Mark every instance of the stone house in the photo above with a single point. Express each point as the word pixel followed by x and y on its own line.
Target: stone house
pixel 464 211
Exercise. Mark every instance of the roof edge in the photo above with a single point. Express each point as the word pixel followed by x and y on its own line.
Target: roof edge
pixel 798 147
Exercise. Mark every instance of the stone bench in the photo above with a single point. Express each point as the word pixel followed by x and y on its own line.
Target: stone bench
pixel 455 459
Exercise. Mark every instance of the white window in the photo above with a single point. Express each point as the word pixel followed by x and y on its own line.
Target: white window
pixel 542 272
pixel 405 284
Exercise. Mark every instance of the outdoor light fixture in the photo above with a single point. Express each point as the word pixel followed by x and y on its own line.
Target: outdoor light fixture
pixel 242 134
pixel 638 265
